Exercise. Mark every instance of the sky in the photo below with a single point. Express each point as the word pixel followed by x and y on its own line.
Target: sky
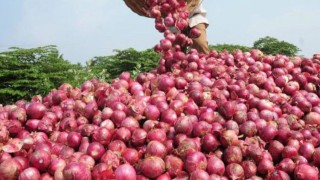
pixel 83 29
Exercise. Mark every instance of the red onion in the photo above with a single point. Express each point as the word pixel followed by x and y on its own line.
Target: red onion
pixel 275 149
pixel 304 171
pixel 4 156
pixel 22 160
pixel 209 142
pixel 152 112
pixel 228 138
pixel 95 150
pixel 289 152
pixel 111 158
pixel 215 166
pixel 278 174
pixel 156 134
pixel 235 171
pixel 122 134
pixel 249 167
pixel 19 114
pixel 169 116
pixel 232 154
pixel 117 117
pixel 40 159
pixel 315 157
pixel 74 139
pixel 87 160
pixel 129 123
pixel 312 118
pixel 29 173
pixel 195 160
pixel 248 128
pixel 76 171
pixel 265 166
pixel 268 133
pixel 102 135
pixel 36 110
pixel 201 128
pixel 124 172
pixel 156 148
pixel 306 150
pixel 130 155
pixel 102 170
pixel 10 169
pixel 173 164
pixel 56 164
pixel 117 146
pixel 287 165
pixel 199 174
pixel 152 167
pixel 183 125
pixel 138 137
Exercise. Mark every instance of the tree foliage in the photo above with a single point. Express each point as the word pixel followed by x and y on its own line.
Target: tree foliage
pixel 28 72
pixel 228 47
pixel 273 46
pixel 129 60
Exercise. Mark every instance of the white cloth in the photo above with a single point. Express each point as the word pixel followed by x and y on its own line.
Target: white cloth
pixel 198 16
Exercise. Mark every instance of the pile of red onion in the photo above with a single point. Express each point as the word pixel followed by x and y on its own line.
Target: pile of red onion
pixel 240 115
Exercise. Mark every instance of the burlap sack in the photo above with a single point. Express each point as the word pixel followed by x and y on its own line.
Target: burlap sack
pixel 140 7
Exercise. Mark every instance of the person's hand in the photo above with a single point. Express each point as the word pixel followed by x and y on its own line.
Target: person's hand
pixel 138 6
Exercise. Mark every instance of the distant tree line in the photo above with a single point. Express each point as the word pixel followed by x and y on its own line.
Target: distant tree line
pixel 28 72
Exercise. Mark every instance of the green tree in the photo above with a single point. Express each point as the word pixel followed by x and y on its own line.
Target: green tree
pixel 28 72
pixel 129 60
pixel 273 46
pixel 228 47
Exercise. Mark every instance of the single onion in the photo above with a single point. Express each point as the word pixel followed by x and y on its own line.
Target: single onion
pixel 40 159
pixel 152 167
pixel 76 170
pixel 215 166
pixel 95 150
pixel 235 171
pixel 29 173
pixel 249 167
pixel 125 172
pixel 10 169
pixel 305 171
pixel 195 160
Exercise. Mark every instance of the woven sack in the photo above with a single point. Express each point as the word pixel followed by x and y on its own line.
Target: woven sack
pixel 140 6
